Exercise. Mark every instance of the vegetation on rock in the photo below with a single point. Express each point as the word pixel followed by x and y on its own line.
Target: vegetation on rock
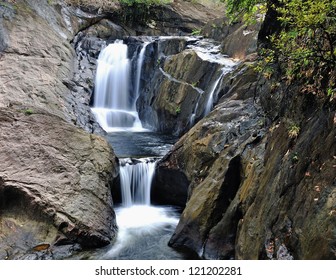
pixel 303 44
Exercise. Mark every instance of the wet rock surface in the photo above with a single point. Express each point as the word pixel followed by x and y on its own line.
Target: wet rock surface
pixel 179 75
pixel 210 156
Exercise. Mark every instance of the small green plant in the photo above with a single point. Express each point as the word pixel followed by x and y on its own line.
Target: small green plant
pixel 331 93
pixel 268 72
pixel 178 110
pixel 28 111
pixel 196 32
pixel 293 131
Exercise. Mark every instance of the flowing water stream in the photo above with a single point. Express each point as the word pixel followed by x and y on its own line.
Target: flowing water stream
pixel 144 229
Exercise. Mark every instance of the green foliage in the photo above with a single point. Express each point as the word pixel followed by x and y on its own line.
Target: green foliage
pixel 196 32
pixel 178 110
pixel 331 93
pixel 305 46
pixel 245 9
pixel 28 112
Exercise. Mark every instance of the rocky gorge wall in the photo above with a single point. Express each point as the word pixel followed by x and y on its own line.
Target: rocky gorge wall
pixel 255 176
pixel 55 180
pixel 255 191
pixel 55 177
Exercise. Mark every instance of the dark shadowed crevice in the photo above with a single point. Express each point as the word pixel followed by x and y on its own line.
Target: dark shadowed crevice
pixel 228 190
pixel 219 241
pixel 169 187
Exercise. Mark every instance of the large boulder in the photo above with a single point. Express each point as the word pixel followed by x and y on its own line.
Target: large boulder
pixel 54 177
pixel 53 172
pixel 237 39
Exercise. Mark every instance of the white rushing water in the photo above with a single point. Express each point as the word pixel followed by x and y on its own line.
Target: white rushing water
pixel 135 181
pixel 143 230
pixel 138 72
pixel 113 106
pixel 214 92
pixel 143 233
pixel 142 227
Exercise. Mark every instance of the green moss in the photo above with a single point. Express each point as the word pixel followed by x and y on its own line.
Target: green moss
pixel 28 111
pixel 196 32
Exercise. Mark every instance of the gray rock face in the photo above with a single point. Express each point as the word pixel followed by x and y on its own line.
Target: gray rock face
pixel 211 156
pixel 59 172
pixel 177 79
pixel 54 177
pixel 256 190
pixel 237 39
pixel 178 17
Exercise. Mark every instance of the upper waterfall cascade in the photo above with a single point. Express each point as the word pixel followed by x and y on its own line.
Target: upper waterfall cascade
pixel 118 83
pixel 113 105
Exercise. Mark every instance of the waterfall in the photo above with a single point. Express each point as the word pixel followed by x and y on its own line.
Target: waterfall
pixel 113 105
pixel 193 114
pixel 135 180
pixel 213 93
pixel 143 229
pixel 138 73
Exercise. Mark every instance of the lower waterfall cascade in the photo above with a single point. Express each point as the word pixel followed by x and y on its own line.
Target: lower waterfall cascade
pixel 140 222
pixel 135 181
